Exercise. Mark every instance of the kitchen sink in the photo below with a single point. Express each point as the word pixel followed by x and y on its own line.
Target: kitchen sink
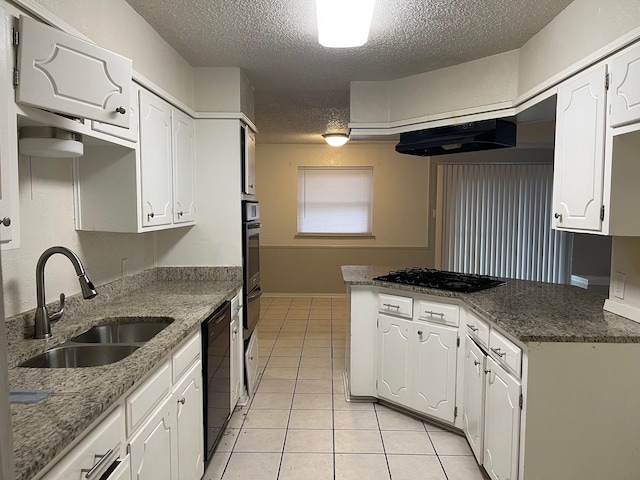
pixel 72 356
pixel 124 330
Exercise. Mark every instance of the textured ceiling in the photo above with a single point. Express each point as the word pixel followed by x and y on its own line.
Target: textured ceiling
pixel 302 88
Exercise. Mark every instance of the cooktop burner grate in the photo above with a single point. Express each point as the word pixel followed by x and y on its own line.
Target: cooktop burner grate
pixel 441 280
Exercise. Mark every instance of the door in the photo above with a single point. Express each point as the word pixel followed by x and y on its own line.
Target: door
pixel 394 364
pixel 155 160
pixel 502 423
pixel 153 449
pixel 473 397
pixel 435 362
pixel 190 438
pixel 64 74
pixel 183 168
pixel 579 152
pixel 624 94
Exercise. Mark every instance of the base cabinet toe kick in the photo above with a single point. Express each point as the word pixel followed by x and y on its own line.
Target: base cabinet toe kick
pixel 528 411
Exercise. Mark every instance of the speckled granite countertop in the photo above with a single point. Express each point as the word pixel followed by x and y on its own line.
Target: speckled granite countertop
pixel 44 429
pixel 528 311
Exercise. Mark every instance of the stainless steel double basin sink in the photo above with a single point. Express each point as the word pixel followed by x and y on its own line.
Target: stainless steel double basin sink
pixel 103 344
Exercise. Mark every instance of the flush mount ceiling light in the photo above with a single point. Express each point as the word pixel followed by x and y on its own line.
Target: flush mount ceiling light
pixel 50 142
pixel 344 23
pixel 336 139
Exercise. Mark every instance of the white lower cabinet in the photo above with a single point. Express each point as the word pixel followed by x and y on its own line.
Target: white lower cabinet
pixel 188 397
pixel 475 362
pixel 251 363
pixel 417 365
pixel 153 448
pixel 236 352
pixel 502 423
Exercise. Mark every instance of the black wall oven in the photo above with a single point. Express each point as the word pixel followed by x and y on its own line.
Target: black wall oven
pixel 251 268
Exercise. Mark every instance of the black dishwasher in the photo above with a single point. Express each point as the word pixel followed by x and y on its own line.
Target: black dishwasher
pixel 216 351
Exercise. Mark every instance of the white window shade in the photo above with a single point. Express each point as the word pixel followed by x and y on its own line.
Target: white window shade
pixel 335 200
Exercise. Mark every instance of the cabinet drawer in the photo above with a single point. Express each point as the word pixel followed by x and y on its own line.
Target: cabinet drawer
pixel 185 356
pixel 140 403
pixel 506 351
pixel 395 305
pixel 439 312
pixel 478 328
pixel 101 446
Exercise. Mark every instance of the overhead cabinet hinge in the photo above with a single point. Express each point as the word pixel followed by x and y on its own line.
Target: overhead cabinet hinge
pixel 602 213
pixel 521 401
pixel 455 412
pixel 606 81
pixel 15 37
pixel 16 77
pixel 458 341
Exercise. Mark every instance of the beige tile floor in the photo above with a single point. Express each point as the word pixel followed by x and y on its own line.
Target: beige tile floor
pixel 298 425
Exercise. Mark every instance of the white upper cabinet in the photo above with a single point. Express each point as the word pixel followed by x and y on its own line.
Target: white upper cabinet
pixel 624 90
pixel 579 151
pixel 183 167
pixel 64 74
pixel 155 160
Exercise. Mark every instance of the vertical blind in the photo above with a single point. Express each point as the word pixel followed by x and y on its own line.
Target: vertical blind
pixel 496 220
pixel 335 200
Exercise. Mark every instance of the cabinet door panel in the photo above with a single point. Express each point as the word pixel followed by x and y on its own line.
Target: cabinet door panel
pixel 394 366
pixel 579 153
pixel 183 172
pixel 435 370
pixel 7 170
pixel 155 160
pixel 473 401
pixel 502 423
pixel 625 88
pixel 190 433
pixel 65 74
pixel 153 451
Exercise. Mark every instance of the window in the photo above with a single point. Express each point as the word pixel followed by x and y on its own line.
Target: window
pixel 335 200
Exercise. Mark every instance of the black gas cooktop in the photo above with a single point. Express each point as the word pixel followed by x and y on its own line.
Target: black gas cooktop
pixel 441 280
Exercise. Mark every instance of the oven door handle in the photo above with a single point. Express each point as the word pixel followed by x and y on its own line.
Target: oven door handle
pixel 254 225
pixel 255 294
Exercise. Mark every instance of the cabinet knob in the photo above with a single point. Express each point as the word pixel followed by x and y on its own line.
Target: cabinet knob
pixel 420 332
pixel 182 400
pixel 150 215
pixel 6 221
pixel 476 363
pixel 235 331
pixel 121 110
pixel 487 371
pixel 558 216
pixel 180 214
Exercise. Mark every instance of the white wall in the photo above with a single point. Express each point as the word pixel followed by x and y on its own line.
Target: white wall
pixel 625 258
pixel 46 211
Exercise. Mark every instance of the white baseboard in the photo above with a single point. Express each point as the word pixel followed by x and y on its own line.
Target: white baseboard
pixel 626 311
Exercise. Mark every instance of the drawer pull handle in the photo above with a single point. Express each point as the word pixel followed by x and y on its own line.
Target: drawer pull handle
pixel 103 458
pixel 476 363
pixel 388 305
pixel 439 314
pixel 473 328
pixel 498 352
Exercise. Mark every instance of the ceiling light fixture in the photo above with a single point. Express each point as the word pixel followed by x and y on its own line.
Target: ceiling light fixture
pixel 336 139
pixel 344 23
pixel 50 142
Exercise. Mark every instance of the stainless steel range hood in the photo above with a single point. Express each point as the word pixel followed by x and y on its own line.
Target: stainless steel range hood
pixel 466 137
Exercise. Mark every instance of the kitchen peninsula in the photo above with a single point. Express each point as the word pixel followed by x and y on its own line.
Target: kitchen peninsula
pixel 571 364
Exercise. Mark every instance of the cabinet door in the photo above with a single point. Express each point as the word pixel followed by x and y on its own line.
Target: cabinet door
pixel 251 363
pixel 393 359
pixel 502 423
pixel 133 132
pixel 155 160
pixel 153 449
pixel 190 424
pixel 236 370
pixel 473 400
pixel 434 365
pixel 7 170
pixel 65 74
pixel 579 152
pixel 122 471
pixel 249 161
pixel 183 168
pixel 624 92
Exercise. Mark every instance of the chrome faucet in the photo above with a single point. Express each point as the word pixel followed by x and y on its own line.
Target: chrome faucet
pixel 43 319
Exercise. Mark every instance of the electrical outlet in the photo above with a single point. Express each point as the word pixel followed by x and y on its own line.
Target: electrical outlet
pixel 618 288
